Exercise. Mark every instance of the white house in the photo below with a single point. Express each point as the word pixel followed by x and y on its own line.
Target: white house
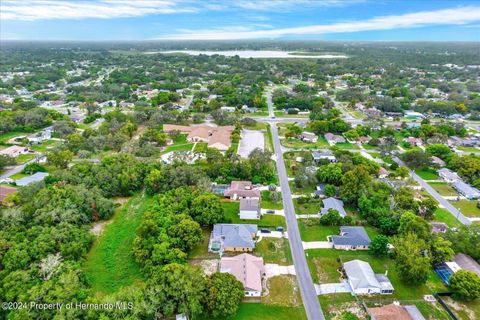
pixel 250 208
pixel 363 280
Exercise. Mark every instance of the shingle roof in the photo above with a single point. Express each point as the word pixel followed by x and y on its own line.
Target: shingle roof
pixel 390 312
pixel 249 204
pixel 332 203
pixel 236 235
pixel 360 274
pixel 247 268
pixel 354 236
pixel 466 262
pixel 466 189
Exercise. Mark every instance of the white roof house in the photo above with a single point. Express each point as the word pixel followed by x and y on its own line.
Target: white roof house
pixel 448 175
pixel 466 190
pixel 363 280
pixel 250 208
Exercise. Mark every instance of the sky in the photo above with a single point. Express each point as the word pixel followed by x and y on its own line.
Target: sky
pixel 387 20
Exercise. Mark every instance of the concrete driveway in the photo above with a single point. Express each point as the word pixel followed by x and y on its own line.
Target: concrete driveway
pixel 272 234
pixel 329 288
pixel 250 140
pixel 277 212
pixel 317 245
pixel 272 270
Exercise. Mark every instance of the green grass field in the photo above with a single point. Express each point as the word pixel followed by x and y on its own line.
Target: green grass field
pixel 274 250
pixel 110 264
pixel 467 207
pixel 260 311
pixel 266 203
pixel 315 231
pixel 311 207
pixel 446 217
pixel 443 188
pixel 298 144
pixel 427 174
pixel 231 209
pixel 4 137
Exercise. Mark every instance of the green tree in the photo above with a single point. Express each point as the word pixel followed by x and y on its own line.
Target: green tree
pixel 410 222
pixel 207 210
pixel 60 159
pixel 224 294
pixel 411 258
pixel 441 249
pixel 330 190
pixel 379 245
pixel 416 159
pixel 465 285
pixel 331 218
pixel 354 183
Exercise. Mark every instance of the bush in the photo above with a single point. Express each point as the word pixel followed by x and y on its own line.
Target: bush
pixel 34 167
pixel 465 285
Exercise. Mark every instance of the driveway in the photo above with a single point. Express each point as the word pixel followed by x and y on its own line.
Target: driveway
pixel 250 140
pixel 277 212
pixel 272 234
pixel 329 288
pixel 272 270
pixel 317 245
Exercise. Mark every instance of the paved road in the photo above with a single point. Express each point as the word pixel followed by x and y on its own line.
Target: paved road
pixel 10 172
pixel 304 278
pixel 453 211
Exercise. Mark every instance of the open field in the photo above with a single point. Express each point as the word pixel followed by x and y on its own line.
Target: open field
pixel 427 174
pixel 446 217
pixel 443 188
pixel 283 290
pixel 261 311
pixel 467 207
pixel 274 250
pixel 110 264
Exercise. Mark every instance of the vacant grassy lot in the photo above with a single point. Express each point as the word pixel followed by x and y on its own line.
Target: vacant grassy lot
pixel 427 174
pixel 299 144
pixel 201 250
pixel 335 305
pixel 446 217
pixel 467 207
pixel 311 207
pixel 346 145
pixel 110 263
pixel 464 310
pixel 266 203
pixel 311 230
pixel 308 190
pixel 443 188
pixel 284 291
pixel 274 250
pixel 261 311
pixel 231 209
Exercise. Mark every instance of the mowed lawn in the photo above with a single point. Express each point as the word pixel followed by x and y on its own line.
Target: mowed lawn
pixel 467 207
pixel 443 188
pixel 427 174
pixel 110 263
pixel 446 217
pixel 259 311
pixel 232 209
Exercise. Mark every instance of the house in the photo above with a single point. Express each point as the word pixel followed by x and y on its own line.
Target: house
pixel 448 175
pixel 5 191
pixel 323 155
pixel 308 137
pixel 37 138
pixel 363 280
pixel 332 203
pixel 218 137
pixel 466 190
pixel 363 140
pixel 459 262
pixel 228 109
pixel 463 142
pixel 467 263
pixel 383 173
pixel 438 227
pixel 250 208
pixel 413 115
pixel 36 177
pixel 417 142
pixel 333 139
pixel 437 162
pixel 232 237
pixel 319 189
pixel 14 151
pixel 248 269
pixel 395 311
pixel 241 189
pixel 351 238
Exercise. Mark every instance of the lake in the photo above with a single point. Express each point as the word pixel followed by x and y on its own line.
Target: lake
pixel 257 54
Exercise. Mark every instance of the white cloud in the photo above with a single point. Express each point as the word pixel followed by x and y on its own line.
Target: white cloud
pixel 29 10
pixel 454 16
pixel 272 5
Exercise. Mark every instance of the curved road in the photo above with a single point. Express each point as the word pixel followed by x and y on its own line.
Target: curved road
pixel 304 278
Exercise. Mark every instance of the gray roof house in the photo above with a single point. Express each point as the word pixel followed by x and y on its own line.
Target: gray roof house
pixel 308 137
pixel 332 203
pixel 232 237
pixel 351 238
pixel 363 280
pixel 333 139
pixel 250 208
pixel 323 155
pixel 466 190
pixel 36 177
pixel 448 175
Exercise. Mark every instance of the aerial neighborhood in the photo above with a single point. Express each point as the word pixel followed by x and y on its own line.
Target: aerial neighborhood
pixel 217 186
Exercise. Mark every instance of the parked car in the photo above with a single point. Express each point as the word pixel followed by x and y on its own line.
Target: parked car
pixel 271 211
pixel 280 229
pixel 265 231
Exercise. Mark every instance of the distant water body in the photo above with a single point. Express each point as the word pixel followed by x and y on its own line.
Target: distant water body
pixel 257 54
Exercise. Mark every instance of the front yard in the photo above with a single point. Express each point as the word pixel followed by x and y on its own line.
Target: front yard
pixel 444 189
pixel 232 209
pixel 274 250
pixel 467 207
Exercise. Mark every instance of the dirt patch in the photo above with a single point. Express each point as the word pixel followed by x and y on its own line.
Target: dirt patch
pixel 460 308
pixel 98 228
pixel 209 266
pixel 338 311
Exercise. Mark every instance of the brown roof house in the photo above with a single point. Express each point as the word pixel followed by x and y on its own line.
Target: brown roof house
pixel 248 269
pixel 395 312
pixel 241 190
pixel 218 137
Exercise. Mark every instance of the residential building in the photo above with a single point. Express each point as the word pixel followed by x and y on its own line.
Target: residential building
pixel 448 175
pixel 228 109
pixel 363 280
pixel 5 191
pixel 417 142
pixel 36 177
pixel 363 140
pixel 439 163
pixel 383 173
pixel 333 139
pixel 351 238
pixel 333 203
pixel 308 137
pixel 250 208
pixel 232 237
pixel 466 262
pixel 323 155
pixel 248 269
pixel 14 151
pixel 395 311
pixel 218 137
pixel 413 115
pixel 241 189
pixel 466 190
pixel 438 227
pixel 45 134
